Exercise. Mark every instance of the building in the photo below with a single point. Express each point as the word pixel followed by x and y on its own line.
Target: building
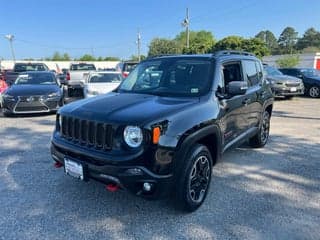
pixel 307 60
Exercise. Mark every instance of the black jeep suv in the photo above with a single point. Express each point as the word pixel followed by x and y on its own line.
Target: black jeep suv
pixel 162 130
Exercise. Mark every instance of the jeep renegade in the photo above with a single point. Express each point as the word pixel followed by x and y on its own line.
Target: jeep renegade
pixel 166 125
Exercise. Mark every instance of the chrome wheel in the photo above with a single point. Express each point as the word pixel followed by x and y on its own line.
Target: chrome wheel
pixel 314 92
pixel 199 179
pixel 265 128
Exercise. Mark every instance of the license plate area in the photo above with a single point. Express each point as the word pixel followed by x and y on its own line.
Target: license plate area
pixel 293 89
pixel 74 169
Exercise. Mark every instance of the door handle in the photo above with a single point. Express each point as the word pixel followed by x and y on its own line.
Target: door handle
pixel 246 101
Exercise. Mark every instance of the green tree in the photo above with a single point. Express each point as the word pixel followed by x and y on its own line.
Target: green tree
pixel 87 57
pixel 229 43
pixel 56 56
pixel 136 58
pixel 287 40
pixel 255 46
pixel 269 39
pixel 66 57
pixel 199 42
pixel 111 59
pixel 160 46
pixel 288 61
pixel 311 38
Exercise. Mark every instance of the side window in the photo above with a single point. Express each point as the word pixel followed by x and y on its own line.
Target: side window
pixel 251 72
pixel 231 72
pixel 260 71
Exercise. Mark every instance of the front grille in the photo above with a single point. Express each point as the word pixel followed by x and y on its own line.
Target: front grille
pixel 20 108
pixel 85 132
pixel 293 84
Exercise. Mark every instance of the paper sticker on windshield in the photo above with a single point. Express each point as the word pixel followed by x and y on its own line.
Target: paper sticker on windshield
pixel 194 90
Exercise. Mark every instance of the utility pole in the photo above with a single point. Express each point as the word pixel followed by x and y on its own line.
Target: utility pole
pixel 10 37
pixel 139 45
pixel 185 23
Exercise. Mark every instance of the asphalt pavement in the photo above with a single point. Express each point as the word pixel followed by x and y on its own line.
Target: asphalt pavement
pixel 269 193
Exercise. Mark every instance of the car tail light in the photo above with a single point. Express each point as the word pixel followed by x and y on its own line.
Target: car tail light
pixel 68 76
pixel 125 74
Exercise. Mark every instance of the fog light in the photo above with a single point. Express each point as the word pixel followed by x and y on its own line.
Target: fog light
pixel 147 187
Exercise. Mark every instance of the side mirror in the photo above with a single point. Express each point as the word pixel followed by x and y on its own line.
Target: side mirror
pixel 237 87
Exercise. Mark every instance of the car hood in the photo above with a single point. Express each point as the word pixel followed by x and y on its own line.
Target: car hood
pixel 126 108
pixel 32 89
pixel 284 78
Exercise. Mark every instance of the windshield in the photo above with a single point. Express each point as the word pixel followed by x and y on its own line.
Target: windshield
pixel 170 77
pixel 105 78
pixel 271 71
pixel 44 78
pixel 82 67
pixel 29 67
pixel 310 72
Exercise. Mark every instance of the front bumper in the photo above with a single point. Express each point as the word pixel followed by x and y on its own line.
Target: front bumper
pixel 128 176
pixel 18 106
pixel 287 91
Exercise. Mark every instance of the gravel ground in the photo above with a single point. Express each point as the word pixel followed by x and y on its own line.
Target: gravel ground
pixel 270 193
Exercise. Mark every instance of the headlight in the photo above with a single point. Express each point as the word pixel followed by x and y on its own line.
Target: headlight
pixel 8 97
pixel 55 94
pixel 133 136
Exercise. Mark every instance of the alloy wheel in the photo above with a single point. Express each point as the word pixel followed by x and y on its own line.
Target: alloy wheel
pixel 314 92
pixel 199 179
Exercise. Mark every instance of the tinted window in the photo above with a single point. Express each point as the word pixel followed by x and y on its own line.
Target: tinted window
pixel 82 67
pixel 271 71
pixel 105 77
pixel 251 72
pixel 29 67
pixel 167 77
pixel 43 78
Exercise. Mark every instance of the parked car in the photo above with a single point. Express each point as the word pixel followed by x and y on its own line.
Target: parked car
pixel 126 67
pixel 79 71
pixel 3 88
pixel 160 133
pixel 283 85
pixel 11 76
pixel 101 82
pixel 310 78
pixel 32 92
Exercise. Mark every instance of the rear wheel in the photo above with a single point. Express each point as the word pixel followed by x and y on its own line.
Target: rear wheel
pixel 194 178
pixel 261 138
pixel 314 92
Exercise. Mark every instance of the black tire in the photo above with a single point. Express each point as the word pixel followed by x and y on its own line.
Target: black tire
pixel 314 92
pixel 193 178
pixel 7 114
pixel 262 136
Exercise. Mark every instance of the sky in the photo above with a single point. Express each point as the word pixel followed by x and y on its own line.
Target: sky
pixel 109 28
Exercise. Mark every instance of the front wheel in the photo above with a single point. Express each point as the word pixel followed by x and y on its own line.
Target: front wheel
pixel 314 92
pixel 262 136
pixel 194 176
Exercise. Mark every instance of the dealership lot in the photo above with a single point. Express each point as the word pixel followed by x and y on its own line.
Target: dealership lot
pixel 270 193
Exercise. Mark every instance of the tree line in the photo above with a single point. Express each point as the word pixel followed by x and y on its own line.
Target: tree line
pixel 262 44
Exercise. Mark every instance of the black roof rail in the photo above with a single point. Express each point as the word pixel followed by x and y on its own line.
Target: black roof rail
pixel 229 52
pixel 162 55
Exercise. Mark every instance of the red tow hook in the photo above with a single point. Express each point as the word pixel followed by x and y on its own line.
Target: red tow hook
pixel 112 187
pixel 58 164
